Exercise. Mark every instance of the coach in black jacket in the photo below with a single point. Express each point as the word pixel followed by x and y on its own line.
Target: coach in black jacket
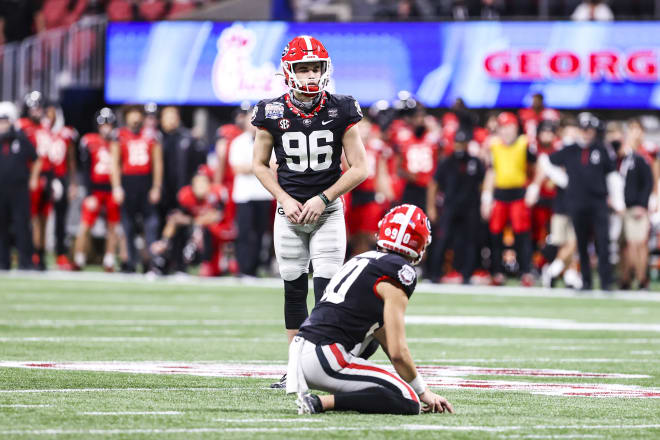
pixel 638 185
pixel 592 177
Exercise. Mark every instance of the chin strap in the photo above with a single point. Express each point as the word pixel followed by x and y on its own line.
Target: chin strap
pixel 305 106
pixel 319 103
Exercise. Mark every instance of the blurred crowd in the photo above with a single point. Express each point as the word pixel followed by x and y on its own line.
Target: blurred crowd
pixel 22 18
pixel 420 10
pixel 535 195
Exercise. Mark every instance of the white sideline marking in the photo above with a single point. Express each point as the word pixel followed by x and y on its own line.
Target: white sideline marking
pixel 290 420
pixel 464 342
pixel 57 323
pixel 130 413
pixel 63 339
pixel 97 308
pixel 489 342
pixel 311 429
pixel 101 390
pixel 532 323
pixel 510 322
pixel 551 436
pixel 276 283
pixel 19 405
pixel 537 359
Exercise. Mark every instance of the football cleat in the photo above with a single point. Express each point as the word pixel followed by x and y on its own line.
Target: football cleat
pixel 63 263
pixel 527 280
pixel 452 277
pixel 547 280
pixel 309 404
pixel 498 279
pixel 281 384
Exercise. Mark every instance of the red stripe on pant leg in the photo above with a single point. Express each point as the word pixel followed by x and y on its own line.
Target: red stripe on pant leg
pixel 340 358
pixel 342 363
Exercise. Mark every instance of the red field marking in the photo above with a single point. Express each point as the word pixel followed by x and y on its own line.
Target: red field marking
pixel 436 376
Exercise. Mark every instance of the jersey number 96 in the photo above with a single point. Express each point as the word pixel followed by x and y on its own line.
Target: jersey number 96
pixel 295 145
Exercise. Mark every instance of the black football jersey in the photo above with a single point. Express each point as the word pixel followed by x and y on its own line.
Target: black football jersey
pixel 308 149
pixel 351 309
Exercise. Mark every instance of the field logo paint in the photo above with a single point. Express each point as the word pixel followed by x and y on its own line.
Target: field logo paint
pixel 436 376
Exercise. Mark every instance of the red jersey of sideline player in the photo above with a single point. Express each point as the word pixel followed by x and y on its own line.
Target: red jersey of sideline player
pixel 136 152
pixel 418 154
pixel 100 160
pixel 366 209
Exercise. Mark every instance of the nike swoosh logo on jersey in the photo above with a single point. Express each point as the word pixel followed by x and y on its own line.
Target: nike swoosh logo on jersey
pixel 326 122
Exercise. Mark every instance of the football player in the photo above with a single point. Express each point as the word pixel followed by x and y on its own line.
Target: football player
pixel 503 196
pixel 97 162
pixel 308 128
pixel 366 299
pixel 137 177
pixel 40 196
pixel 369 200
pixel 415 137
pixel 201 216
pixel 61 141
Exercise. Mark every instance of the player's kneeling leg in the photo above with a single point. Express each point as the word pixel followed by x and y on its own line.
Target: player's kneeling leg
pixel 295 302
pixel 376 400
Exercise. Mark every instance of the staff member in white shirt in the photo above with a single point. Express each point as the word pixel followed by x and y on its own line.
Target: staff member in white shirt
pixel 253 203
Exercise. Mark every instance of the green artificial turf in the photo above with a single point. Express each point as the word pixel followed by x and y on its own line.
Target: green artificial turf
pixel 67 321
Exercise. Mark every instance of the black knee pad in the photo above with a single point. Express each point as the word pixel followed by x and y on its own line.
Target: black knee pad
pixel 295 302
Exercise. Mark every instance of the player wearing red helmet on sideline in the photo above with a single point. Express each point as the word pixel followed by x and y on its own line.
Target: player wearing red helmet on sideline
pixel 366 299
pixel 40 194
pixel 60 140
pixel 503 196
pixel 96 160
pixel 308 129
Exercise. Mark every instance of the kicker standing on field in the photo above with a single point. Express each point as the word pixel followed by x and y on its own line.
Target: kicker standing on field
pixel 308 128
pixel 366 299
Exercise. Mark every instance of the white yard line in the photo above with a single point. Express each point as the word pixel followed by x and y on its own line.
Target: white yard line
pixel 20 405
pixel 313 429
pixel 131 413
pixel 150 339
pixel 450 320
pixel 111 390
pixel 276 283
pixel 58 323
pixel 530 323
pixel 537 359
pixel 290 420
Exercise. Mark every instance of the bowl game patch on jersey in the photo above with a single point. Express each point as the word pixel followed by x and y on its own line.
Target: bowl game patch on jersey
pixel 407 275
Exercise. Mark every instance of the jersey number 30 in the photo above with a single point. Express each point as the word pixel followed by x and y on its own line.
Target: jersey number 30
pixel 295 145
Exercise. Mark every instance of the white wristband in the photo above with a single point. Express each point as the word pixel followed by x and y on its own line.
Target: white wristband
pixel 418 384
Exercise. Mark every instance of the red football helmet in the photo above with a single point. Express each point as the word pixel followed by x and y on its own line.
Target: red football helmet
pixel 305 49
pixel 406 230
pixel 506 118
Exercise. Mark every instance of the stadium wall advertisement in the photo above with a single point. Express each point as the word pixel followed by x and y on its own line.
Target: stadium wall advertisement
pixel 488 64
